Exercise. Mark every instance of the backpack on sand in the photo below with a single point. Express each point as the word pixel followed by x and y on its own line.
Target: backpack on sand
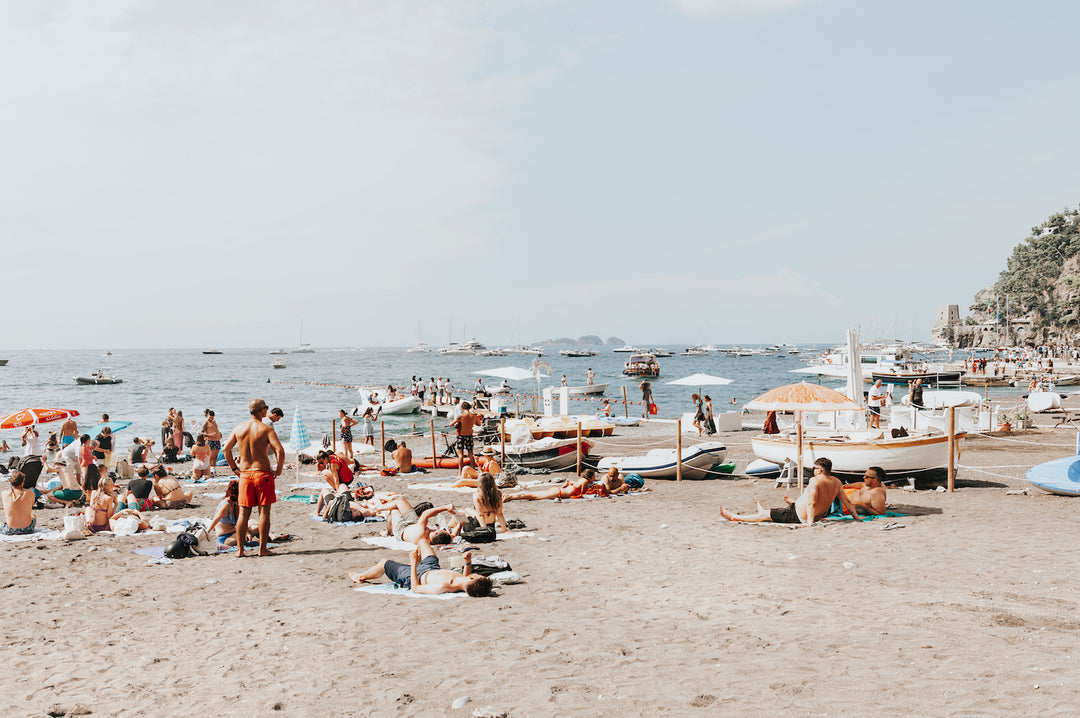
pixel 339 511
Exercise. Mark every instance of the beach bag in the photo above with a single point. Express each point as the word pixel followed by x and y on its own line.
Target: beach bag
pixel 126 526
pixel 31 467
pixel 489 565
pixel 652 409
pixel 73 527
pixel 339 511
pixel 473 532
pixel 634 481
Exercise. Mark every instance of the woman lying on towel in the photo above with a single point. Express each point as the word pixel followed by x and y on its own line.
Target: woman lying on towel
pixel 569 489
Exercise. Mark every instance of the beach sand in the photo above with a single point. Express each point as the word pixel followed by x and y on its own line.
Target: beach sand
pixel 642 605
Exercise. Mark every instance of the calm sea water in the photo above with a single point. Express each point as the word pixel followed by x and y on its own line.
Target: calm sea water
pixel 155 380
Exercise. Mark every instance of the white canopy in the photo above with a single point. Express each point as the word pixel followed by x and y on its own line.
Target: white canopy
pixel 700 379
pixel 512 373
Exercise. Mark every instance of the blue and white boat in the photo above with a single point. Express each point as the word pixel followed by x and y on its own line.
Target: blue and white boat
pixel 697 462
pixel 1060 476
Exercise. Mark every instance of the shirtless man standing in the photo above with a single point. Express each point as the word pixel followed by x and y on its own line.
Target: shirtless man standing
pixel 464 424
pixel 868 495
pixel 812 505
pixel 424 575
pixel 253 440
pixel 69 432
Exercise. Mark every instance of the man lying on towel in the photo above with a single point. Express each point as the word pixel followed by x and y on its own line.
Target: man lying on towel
pixel 406 523
pixel 868 495
pixel 812 505
pixel 424 575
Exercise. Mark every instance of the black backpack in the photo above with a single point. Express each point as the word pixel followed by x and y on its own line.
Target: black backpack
pixel 339 511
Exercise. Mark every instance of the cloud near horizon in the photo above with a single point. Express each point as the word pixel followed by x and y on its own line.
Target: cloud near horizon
pixel 711 8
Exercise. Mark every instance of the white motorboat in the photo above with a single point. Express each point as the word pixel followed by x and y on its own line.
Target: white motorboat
pixel 919 454
pixel 491 353
pixel 98 377
pixel 661 352
pixel 577 353
pixel 697 462
pixel 587 389
pixel 627 349
pixel 420 348
pixel 530 351
pixel 465 349
pixel 402 405
pixel 278 364
pixel 303 348
pixel 642 365
pixel 277 352
pixel 694 352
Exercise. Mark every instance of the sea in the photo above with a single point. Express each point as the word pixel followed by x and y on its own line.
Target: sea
pixel 319 384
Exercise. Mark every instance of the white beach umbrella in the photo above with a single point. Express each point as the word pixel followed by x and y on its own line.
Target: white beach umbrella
pixel 699 380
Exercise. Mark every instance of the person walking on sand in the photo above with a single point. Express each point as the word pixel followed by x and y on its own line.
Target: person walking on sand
pixel 699 414
pixel 812 505
pixel 254 440
pixel 647 399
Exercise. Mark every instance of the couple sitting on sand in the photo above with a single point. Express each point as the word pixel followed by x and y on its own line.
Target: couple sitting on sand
pixel 817 500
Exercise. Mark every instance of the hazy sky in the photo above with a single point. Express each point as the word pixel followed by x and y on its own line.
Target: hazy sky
pixel 204 173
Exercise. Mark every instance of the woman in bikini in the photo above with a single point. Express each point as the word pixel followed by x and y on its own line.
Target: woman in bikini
pixel 488 502
pixel 225 519
pixel 200 454
pixel 569 489
pixel 102 506
pixel 699 413
pixel 170 495
pixel 347 423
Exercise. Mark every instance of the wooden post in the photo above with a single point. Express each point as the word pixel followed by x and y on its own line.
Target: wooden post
pixel 625 406
pixel 382 441
pixel 579 448
pixel 798 433
pixel 952 448
pixel 678 449
pixel 333 432
pixel 502 440
pixel 434 456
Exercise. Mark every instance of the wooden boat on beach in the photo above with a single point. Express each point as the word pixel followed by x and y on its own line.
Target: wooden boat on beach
pixel 550 453
pixel 920 454
pixel 559 427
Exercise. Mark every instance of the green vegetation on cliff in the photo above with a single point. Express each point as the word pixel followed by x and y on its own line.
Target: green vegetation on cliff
pixel 1042 277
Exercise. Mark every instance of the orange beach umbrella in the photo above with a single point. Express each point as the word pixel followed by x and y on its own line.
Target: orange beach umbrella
pixel 26 417
pixel 802 397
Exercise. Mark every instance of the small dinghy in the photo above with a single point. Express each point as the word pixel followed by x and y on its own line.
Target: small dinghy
pixel 98 377
pixel 697 462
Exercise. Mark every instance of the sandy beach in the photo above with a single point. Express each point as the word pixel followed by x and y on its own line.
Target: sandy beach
pixel 640 605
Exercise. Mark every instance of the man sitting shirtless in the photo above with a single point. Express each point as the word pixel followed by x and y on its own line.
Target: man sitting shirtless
pixel 868 495
pixel 812 505
pixel 424 575
pixel 569 489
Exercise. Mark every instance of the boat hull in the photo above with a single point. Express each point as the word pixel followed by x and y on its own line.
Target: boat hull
pixel 408 405
pixel 587 390
pixel 96 381
pixel 915 455
pixel 697 462
pixel 929 378
pixel 554 456
pixel 1060 476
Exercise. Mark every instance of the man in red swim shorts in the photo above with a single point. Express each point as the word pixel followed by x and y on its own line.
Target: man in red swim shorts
pixel 253 440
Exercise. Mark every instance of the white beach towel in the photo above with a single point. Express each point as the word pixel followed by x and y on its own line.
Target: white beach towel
pixel 39 534
pixel 389 589
pixel 441 487
pixel 389 542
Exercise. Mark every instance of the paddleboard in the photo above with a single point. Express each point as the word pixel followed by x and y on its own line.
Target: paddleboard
pixel 761 467
pixel 1060 476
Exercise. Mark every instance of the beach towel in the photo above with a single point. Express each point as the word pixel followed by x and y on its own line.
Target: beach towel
pixel 389 542
pixel 389 589
pixel 366 520
pixel 39 534
pixel 302 498
pixel 839 516
pixel 444 486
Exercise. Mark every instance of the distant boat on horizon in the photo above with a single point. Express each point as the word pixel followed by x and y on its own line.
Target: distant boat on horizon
pixel 303 348
pixel 212 351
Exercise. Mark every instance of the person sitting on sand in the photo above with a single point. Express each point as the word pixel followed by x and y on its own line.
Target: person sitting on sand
pixel 139 490
pixel 569 489
pixel 812 505
pixel 485 462
pixel 170 495
pixel 488 502
pixel 358 508
pixel 405 523
pixel 101 506
pixel 169 452
pixel 334 469
pixel 868 495
pixel 606 408
pixel 616 484
pixel 225 519
pixel 425 575
pixel 18 507
pixel 403 458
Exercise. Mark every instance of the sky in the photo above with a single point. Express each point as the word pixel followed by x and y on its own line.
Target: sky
pixel 209 174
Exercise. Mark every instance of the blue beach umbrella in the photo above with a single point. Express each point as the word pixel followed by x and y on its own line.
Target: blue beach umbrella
pixel 114 425
pixel 298 438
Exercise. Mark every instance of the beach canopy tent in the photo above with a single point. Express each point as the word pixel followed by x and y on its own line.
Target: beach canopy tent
pixel 799 398
pixel 510 373
pixel 26 417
